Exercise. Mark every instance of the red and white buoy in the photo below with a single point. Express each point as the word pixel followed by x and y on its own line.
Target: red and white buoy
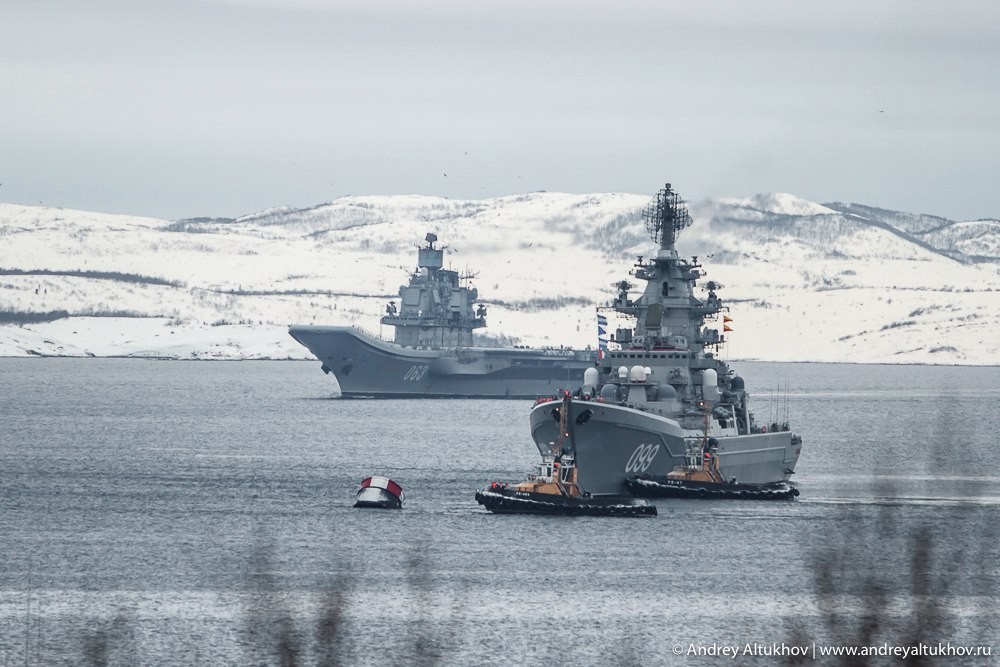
pixel 379 492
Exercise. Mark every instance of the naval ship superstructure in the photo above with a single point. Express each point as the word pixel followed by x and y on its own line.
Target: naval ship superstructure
pixel 433 353
pixel 663 392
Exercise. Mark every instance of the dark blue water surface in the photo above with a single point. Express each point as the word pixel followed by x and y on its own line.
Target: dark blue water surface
pixel 177 513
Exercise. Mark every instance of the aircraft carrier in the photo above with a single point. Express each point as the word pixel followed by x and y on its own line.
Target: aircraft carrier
pixel 433 354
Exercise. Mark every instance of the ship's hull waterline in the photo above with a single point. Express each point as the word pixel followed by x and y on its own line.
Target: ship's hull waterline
pixel 613 442
pixel 365 366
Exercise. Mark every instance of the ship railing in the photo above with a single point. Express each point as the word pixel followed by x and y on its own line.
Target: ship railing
pixel 368 332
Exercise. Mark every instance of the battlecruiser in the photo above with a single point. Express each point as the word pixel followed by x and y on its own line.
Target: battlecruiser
pixel 433 354
pixel 663 392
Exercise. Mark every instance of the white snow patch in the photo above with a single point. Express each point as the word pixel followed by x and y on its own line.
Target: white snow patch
pixel 781 203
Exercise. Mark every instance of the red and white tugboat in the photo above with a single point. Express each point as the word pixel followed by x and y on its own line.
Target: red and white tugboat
pixel 380 493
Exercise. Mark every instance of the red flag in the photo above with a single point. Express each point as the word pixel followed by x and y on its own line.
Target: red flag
pixel 726 318
pixel 725 327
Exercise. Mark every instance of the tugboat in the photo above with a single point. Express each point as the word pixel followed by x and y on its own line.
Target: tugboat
pixel 433 353
pixel 554 489
pixel 379 493
pixel 659 389
pixel 699 477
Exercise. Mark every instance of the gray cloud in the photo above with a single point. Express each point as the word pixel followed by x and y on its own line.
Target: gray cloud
pixel 222 108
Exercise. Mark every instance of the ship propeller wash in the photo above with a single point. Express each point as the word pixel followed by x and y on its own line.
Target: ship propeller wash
pixel 662 398
pixel 433 353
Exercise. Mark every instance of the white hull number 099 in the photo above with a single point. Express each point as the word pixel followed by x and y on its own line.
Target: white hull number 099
pixel 642 458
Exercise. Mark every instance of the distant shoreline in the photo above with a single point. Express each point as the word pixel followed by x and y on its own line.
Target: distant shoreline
pixel 313 361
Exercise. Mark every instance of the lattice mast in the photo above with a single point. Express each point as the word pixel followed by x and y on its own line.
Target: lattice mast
pixel 665 216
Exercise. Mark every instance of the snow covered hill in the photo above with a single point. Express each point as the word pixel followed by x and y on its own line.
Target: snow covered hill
pixel 804 281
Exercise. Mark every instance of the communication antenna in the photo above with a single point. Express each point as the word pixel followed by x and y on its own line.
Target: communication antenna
pixel 785 415
pixel 666 215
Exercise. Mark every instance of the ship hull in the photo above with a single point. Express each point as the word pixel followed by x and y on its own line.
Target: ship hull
pixel 365 366
pixel 510 501
pixel 613 443
pixel 661 486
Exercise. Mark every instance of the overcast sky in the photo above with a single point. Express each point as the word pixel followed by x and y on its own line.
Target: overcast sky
pixel 179 108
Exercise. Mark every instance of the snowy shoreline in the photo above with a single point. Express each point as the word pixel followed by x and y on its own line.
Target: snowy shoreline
pixel 157 339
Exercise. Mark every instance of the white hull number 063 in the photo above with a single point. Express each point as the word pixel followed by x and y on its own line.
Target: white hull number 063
pixel 415 374
pixel 642 457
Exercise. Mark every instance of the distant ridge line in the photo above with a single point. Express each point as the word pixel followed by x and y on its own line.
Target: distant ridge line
pixel 295 292
pixel 96 275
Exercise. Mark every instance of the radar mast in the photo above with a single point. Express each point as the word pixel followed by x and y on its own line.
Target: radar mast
pixel 666 215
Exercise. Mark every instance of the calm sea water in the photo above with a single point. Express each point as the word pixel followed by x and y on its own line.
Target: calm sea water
pixel 178 513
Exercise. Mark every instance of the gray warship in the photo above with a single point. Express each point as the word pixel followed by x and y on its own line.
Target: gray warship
pixel 433 354
pixel 662 399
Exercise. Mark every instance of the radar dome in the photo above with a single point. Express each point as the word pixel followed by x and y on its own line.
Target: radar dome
pixel 591 377
pixel 710 384
pixel 638 374
pixel 667 392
